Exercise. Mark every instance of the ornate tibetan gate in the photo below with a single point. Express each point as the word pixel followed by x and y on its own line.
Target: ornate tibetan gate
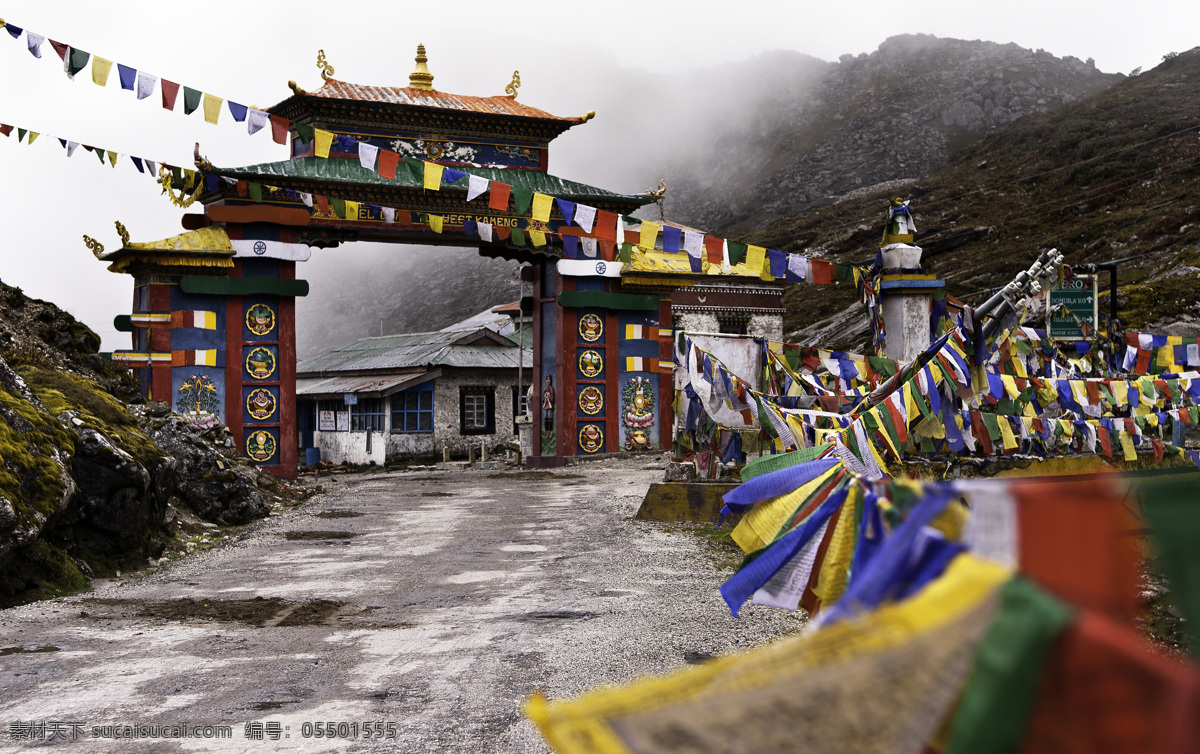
pixel 213 321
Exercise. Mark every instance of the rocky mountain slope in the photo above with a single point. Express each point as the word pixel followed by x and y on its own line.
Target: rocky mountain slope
pixel 1111 177
pixel 893 115
pixel 89 485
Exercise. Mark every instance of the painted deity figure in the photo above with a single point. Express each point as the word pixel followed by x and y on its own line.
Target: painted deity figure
pixel 548 405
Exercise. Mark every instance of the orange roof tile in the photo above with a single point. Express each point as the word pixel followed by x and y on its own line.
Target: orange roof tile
pixel 395 95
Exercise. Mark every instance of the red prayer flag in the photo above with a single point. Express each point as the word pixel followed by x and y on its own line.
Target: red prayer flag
pixel 608 250
pixel 714 246
pixel 170 90
pixel 1143 362
pixel 822 272
pixel 1105 441
pixel 502 231
pixel 980 430
pixel 388 160
pixel 59 48
pixel 1077 540
pixel 498 194
pixel 279 129
pixel 1102 690
pixel 322 203
pixel 898 419
pixel 241 187
pixel 6 130
pixel 1158 450
pixel 606 225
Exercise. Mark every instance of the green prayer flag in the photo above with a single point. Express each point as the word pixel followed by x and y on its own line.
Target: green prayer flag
pixel 256 192
pixel 339 207
pixel 99 153
pixel 21 134
pixel 993 428
pixel 521 198
pixel 1194 414
pixel 176 176
pixel 305 133
pixel 843 273
pixel 1174 519
pixel 191 100
pixel 737 253
pixel 77 60
pixel 626 254
pixel 518 236
pixel 996 705
pixel 417 169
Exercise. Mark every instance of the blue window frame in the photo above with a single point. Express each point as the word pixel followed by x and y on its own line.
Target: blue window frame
pixel 412 410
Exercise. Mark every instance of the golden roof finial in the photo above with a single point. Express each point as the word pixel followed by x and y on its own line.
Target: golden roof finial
pixel 326 69
pixel 514 85
pixel 588 116
pixel 421 78
pixel 96 247
pixel 124 234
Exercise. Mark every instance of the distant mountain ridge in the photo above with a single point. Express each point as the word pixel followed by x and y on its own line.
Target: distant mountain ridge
pixel 891 116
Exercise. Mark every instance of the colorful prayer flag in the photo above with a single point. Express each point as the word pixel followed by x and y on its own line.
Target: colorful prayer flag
pixel 323 140
pixel 433 177
pixel 212 107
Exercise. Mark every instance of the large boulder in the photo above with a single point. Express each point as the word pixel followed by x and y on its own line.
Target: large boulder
pixel 214 486
pixel 35 458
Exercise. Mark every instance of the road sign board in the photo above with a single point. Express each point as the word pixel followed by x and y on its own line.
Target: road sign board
pixel 1077 299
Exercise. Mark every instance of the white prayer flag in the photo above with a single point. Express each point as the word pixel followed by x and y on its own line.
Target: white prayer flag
pixel 797 265
pixel 585 216
pixel 71 147
pixel 145 84
pixel 485 231
pixel 256 120
pixel 389 214
pixel 693 243
pixel 724 257
pixel 476 185
pixel 1145 341
pixel 35 43
pixel 620 230
pixel 1193 355
pixel 367 154
pixel 589 245
pixel 305 197
pixel 153 171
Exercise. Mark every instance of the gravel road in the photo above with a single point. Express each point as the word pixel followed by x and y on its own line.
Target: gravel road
pixel 429 603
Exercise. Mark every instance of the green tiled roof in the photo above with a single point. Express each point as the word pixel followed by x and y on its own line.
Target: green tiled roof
pixel 349 171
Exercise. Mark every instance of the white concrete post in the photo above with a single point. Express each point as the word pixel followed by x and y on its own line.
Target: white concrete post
pixel 906 299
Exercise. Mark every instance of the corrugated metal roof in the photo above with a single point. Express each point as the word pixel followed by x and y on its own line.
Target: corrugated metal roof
pixel 413 350
pixel 350 171
pixel 332 386
pixel 395 95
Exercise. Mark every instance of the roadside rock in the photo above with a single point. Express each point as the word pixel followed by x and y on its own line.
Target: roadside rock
pixel 215 487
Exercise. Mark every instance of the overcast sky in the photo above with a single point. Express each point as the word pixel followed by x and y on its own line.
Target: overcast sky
pixel 247 51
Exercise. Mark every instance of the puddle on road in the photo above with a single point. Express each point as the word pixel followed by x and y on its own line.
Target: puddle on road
pixel 338 514
pixel 308 536
pixel 259 611
pixel 541 475
pixel 436 494
pixel 5 651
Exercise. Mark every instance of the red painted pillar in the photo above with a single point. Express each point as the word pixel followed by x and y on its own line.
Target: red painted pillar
pixel 288 439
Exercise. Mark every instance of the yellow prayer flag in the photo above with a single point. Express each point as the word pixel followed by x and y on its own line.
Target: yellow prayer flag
pixel 538 237
pixel 323 141
pixel 435 221
pixel 433 176
pixel 112 158
pixel 351 210
pixel 1174 340
pixel 649 236
pixel 1010 386
pixel 831 579
pixel 759 527
pixel 1006 433
pixel 32 135
pixel 1165 356
pixel 541 207
pixel 1127 446
pixel 100 70
pixel 755 257
pixel 910 403
pixel 1019 368
pixel 212 108
pixel 1120 391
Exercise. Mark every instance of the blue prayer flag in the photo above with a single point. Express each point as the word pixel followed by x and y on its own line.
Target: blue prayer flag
pixel 237 111
pixel 128 76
